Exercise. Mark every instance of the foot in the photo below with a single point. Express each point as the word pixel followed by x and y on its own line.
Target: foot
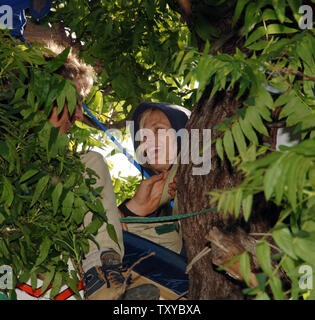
pixel 108 283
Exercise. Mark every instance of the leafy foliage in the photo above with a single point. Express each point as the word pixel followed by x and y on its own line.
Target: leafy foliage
pixel 125 187
pixel 45 189
pixel 134 41
pixel 286 178
pixel 147 53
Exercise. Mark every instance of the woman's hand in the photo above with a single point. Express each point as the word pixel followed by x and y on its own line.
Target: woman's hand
pixel 148 196
pixel 63 120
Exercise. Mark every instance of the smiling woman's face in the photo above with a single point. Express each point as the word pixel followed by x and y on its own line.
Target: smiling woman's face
pixel 161 146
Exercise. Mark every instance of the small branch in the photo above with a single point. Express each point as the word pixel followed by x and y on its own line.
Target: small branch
pixel 260 234
pixel 279 124
pixel 201 254
pixel 108 125
pixel 182 295
pixel 79 270
pixel 293 72
pixel 270 245
pixel 107 91
pixel 9 232
pixel 124 287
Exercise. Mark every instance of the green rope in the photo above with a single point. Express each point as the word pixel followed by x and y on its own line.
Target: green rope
pixel 165 218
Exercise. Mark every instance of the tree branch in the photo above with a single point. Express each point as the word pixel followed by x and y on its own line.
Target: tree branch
pixel 108 124
pixel 279 124
pixel 293 72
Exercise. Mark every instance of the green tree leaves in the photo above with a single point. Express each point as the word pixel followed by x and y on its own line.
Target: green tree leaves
pixel 44 195
pixel 229 145
pixel 238 10
pixel 245 267
pixel 7 192
pixel 284 240
pixel 56 284
pixel 263 256
pixel 56 196
pixel 43 251
pixel 145 53
pixel 54 64
pixel 40 187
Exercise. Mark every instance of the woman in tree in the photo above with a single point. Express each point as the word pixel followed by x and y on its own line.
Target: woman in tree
pixel 157 147
pixel 158 150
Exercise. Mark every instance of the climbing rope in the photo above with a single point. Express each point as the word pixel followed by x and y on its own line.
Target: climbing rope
pixel 165 218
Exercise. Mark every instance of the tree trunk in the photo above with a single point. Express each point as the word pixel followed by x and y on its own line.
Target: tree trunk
pixel 228 237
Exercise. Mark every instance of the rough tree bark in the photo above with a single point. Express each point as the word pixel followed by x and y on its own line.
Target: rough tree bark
pixel 226 236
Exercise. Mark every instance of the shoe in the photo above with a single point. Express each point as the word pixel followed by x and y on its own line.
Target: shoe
pixel 110 258
pixel 108 283
pixel 146 291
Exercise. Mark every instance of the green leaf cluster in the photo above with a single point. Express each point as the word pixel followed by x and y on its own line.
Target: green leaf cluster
pixel 146 53
pixel 134 41
pixel 45 190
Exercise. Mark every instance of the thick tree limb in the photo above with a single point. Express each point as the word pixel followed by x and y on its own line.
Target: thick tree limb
pixel 227 246
pixel 41 34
